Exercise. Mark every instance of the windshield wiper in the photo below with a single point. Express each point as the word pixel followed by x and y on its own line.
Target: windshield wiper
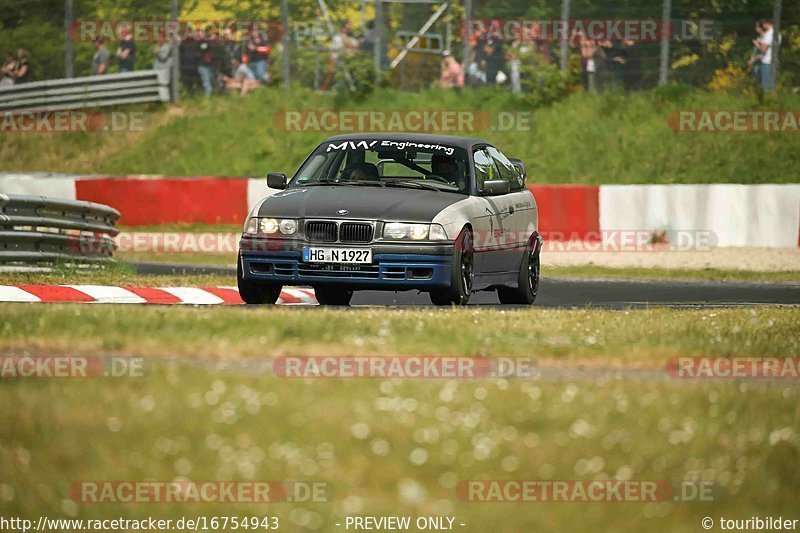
pixel 413 184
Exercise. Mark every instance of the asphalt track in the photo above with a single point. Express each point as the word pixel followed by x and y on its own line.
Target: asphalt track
pixel 562 292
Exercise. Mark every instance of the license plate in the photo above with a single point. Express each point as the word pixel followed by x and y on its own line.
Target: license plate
pixel 356 256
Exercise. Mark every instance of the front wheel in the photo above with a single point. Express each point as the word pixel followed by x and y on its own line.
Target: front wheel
pixel 333 296
pixel 256 293
pixel 528 281
pixel 462 275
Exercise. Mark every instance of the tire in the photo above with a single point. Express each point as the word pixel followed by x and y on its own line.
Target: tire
pixel 333 296
pixel 256 293
pixel 463 273
pixel 528 280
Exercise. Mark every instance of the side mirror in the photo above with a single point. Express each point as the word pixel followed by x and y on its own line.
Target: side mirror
pixel 520 166
pixel 495 187
pixel 276 180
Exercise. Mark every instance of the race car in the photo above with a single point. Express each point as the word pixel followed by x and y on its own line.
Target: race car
pixel 439 214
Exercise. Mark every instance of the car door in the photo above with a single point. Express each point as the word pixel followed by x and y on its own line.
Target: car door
pixel 515 213
pixel 494 220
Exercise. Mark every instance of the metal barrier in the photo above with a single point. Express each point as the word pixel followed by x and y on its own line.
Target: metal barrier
pixel 40 229
pixel 87 92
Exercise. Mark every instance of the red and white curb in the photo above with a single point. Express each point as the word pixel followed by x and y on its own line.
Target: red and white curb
pixel 141 295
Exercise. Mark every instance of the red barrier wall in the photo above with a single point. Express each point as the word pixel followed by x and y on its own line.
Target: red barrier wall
pixel 149 201
pixel 572 211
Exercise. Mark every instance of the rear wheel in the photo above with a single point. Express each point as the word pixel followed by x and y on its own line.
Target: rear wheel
pixel 528 280
pixel 333 296
pixel 462 275
pixel 253 292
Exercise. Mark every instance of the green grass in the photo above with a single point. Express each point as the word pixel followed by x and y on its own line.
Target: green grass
pixel 394 447
pixel 582 139
pixel 117 274
pixel 644 336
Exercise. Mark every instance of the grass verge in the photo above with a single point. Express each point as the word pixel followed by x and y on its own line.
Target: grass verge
pixel 645 336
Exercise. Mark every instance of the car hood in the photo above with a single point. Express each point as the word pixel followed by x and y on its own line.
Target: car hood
pixel 367 203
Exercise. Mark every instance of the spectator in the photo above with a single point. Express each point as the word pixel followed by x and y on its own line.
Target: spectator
pixel 343 43
pixel 126 53
pixel 589 58
pixel 163 54
pixel 754 63
pixel 243 79
pixel 100 58
pixel 259 51
pixel 205 66
pixel 633 66
pixel 764 44
pixel 616 56
pixel 7 70
pixel 22 71
pixel 490 50
pixel 369 38
pixel 452 76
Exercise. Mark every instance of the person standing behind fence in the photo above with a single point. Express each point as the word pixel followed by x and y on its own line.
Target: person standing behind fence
pixel 754 63
pixel 100 58
pixel 205 66
pixel 162 54
pixel 126 53
pixel 259 51
pixel 764 44
pixel 452 76
pixel 22 70
pixel 7 70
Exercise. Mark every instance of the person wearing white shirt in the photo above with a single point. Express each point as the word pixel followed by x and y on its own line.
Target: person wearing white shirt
pixel 764 44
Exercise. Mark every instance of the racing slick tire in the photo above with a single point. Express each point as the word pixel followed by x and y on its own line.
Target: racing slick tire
pixel 333 296
pixel 463 271
pixel 256 293
pixel 528 282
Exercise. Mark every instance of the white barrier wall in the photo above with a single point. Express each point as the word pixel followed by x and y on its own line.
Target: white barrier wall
pixel 59 186
pixel 257 190
pixel 739 215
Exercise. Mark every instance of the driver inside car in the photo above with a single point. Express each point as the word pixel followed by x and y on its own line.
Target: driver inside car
pixel 446 167
pixel 362 172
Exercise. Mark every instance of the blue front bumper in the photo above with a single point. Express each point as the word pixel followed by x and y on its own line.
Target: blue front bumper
pixel 388 271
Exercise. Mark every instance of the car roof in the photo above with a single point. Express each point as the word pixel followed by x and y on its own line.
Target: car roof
pixel 461 142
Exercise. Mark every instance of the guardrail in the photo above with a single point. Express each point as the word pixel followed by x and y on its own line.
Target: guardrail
pixel 40 229
pixel 87 92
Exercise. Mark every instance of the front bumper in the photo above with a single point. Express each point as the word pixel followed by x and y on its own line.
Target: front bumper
pixel 395 266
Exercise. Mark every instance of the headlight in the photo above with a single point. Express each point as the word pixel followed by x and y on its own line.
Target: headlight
pixel 268 226
pixel 271 226
pixel 414 232
pixel 288 226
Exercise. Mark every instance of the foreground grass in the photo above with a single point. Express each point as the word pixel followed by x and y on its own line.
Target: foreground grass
pixel 582 139
pixel 648 337
pixel 391 447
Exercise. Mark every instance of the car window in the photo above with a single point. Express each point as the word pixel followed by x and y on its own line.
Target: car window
pixel 387 163
pixel 507 169
pixel 485 168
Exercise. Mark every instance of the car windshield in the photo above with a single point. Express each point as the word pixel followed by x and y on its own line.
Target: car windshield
pixel 386 163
